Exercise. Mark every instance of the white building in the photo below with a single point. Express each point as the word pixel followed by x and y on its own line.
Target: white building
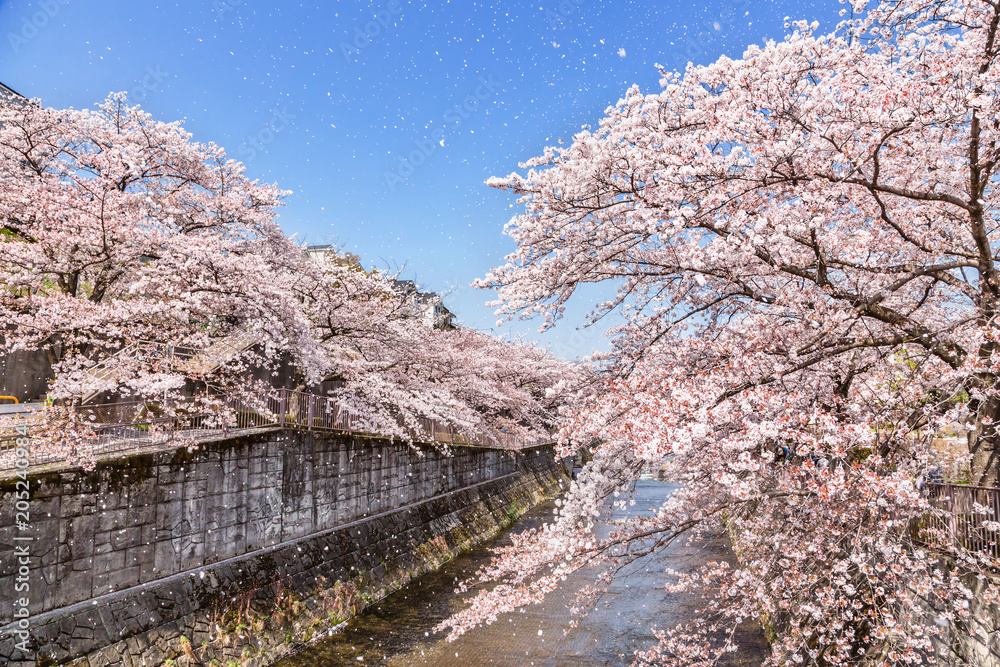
pixel 9 94
pixel 429 306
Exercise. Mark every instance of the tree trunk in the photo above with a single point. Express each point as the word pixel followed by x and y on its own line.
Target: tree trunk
pixel 983 445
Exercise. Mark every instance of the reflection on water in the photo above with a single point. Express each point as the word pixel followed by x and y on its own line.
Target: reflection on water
pixel 397 632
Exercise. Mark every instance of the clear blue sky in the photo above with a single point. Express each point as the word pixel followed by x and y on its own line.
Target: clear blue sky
pixel 292 90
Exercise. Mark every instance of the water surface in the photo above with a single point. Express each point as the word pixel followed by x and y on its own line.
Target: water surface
pixel 398 631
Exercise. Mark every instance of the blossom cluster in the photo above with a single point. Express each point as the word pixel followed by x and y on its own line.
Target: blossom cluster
pixel 803 242
pixel 149 267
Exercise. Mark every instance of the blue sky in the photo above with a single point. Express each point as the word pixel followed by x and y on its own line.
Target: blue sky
pixel 385 138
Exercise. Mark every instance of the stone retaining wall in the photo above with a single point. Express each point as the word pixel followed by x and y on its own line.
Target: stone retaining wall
pixel 246 547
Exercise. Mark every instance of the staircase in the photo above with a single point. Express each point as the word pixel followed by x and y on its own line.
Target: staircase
pixel 218 354
pixel 106 371
pixel 186 360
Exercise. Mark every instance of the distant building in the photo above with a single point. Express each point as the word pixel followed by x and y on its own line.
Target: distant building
pixel 430 308
pixel 9 94
pixel 319 253
pixel 428 305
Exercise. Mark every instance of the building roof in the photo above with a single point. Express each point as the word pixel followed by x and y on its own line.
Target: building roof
pixel 438 313
pixel 9 93
pixel 408 287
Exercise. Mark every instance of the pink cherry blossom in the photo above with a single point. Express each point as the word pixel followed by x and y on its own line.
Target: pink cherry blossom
pixel 128 248
pixel 803 245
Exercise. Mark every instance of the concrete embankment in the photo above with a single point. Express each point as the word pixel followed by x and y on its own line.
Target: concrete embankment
pixel 243 549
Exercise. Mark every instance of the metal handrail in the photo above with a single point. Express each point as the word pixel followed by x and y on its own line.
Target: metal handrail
pixel 281 409
pixel 961 485
pixel 160 353
pixel 207 359
pixel 958 519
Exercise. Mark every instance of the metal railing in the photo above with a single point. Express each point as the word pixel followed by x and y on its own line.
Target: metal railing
pixel 219 353
pixel 967 515
pixel 311 411
pixel 120 428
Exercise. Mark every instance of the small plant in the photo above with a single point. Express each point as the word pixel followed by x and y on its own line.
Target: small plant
pixel 512 513
pixel 187 650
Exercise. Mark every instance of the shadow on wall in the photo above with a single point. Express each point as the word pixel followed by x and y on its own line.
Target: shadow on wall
pixel 25 375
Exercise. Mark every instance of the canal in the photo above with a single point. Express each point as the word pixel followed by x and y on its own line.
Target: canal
pixel 398 631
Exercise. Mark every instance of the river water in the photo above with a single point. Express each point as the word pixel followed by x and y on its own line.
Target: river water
pixel 398 631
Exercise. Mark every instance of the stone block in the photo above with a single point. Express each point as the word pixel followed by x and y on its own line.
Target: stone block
pixel 169 493
pixel 45 508
pixel 128 537
pixel 104 564
pixel 166 559
pixel 79 534
pixel 141 513
pixel 111 519
pixel 124 578
pixel 102 543
pixel 73 585
pixel 72 505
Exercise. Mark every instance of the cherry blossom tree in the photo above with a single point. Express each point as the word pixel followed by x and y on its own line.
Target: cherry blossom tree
pixel 399 374
pixel 117 228
pixel 804 245
pixel 128 248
